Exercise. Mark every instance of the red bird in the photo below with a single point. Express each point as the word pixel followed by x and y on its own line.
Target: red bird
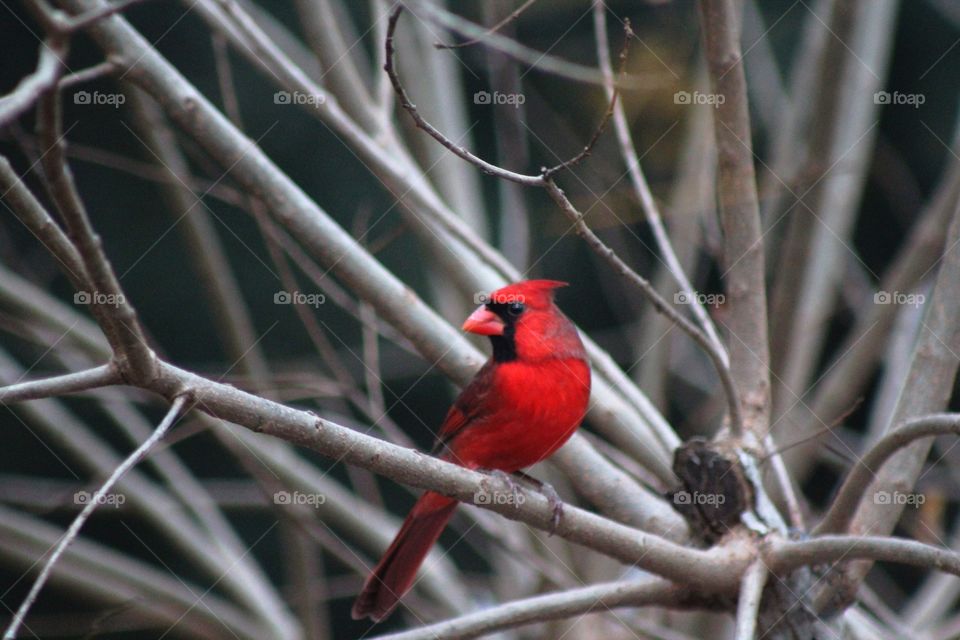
pixel 523 404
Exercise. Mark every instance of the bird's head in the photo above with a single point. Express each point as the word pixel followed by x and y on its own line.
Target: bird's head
pixel 523 322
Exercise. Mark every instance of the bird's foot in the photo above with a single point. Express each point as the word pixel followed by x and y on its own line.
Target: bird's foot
pixel 546 489
pixel 515 498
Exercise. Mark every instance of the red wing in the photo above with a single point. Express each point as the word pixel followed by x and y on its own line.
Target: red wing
pixel 472 403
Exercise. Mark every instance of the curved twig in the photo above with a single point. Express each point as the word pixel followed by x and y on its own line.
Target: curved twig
pixel 786 555
pixel 545 181
pixel 845 505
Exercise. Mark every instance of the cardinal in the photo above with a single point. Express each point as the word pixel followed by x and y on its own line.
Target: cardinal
pixel 523 404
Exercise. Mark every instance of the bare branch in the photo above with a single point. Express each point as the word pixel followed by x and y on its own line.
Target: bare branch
pixel 542 61
pixel 30 88
pixel 103 376
pixel 639 181
pixel 74 530
pixel 113 311
pixel 743 259
pixel 551 606
pixel 513 15
pixel 785 555
pixel 748 605
pixel 546 181
pixel 844 505
pixel 718 567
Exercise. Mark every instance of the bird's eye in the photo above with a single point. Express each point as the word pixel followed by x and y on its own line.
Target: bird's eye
pixel 516 308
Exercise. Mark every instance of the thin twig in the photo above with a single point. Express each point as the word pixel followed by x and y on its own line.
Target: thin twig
pixel 103 376
pixel 844 505
pixel 639 181
pixel 546 182
pixel 179 403
pixel 516 13
pixel 541 61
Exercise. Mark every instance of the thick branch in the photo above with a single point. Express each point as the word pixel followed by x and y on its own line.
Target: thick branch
pixel 748 605
pixel 743 260
pixel 716 568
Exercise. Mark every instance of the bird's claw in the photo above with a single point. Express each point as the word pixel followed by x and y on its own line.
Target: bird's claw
pixel 556 504
pixel 506 479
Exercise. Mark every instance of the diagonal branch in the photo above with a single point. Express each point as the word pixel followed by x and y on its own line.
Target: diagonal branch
pixel 178 406
pixel 552 606
pixel 639 181
pixel 116 316
pixel 850 494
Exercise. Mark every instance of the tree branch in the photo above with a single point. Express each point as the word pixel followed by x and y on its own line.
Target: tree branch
pixel 743 260
pixel 851 493
pixel 96 499
pixel 103 376
pixel 551 606
pixel 748 605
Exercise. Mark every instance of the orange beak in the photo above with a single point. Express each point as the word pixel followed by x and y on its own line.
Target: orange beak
pixel 484 322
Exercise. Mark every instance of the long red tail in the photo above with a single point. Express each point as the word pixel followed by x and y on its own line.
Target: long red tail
pixel 394 574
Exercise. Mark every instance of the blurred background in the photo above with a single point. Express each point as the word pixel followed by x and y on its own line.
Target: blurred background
pixel 869 166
